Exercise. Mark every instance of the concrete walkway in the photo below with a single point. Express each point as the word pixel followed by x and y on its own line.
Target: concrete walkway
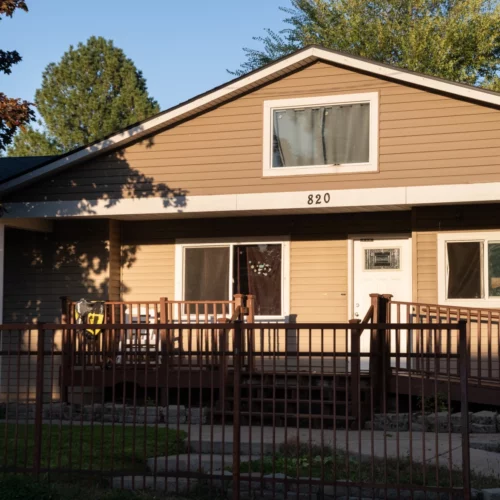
pixel 435 449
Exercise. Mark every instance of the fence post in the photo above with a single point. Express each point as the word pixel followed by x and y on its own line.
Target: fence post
pixel 164 334
pixel 386 336
pixel 375 347
pixel 250 306
pixel 40 355
pixel 65 343
pixel 355 370
pixel 236 408
pixel 464 404
pixel 380 348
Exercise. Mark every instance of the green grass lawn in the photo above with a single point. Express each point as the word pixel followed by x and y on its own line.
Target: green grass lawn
pixel 85 447
pixel 340 467
pixel 27 488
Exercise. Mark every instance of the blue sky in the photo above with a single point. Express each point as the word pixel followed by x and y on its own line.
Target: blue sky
pixel 183 47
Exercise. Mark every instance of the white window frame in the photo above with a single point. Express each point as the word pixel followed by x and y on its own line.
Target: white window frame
pixel 483 237
pixel 284 241
pixel 371 166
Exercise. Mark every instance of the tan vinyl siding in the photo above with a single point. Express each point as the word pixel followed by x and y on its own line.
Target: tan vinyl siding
pixel 318 293
pixel 151 276
pixel 318 280
pixel 426 264
pixel 425 138
pixel 114 260
pixel 39 269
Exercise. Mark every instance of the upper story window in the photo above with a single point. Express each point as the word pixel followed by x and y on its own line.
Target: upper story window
pixel 332 134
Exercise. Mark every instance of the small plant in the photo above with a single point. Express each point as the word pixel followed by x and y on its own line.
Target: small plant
pixel 431 404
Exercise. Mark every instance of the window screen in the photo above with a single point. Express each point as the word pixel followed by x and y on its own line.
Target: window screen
pixel 257 271
pixel 325 135
pixel 464 270
pixel 206 274
pixel 494 269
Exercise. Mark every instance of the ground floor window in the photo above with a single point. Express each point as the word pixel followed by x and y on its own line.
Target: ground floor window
pixel 472 266
pixel 217 271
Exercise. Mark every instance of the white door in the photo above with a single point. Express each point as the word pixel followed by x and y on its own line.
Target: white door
pixel 380 266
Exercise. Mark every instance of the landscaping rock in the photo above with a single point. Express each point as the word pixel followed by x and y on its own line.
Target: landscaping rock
pixel 277 486
pixel 304 487
pixel 197 416
pixel 456 422
pixel 439 422
pixel 390 422
pixel 420 422
pixel 57 411
pixel 484 422
pixel 175 414
pixel 491 494
pixel 147 415
pixel 20 410
pixel 171 485
pixel 417 427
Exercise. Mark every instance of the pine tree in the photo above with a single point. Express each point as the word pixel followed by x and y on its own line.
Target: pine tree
pixel 93 91
pixel 454 39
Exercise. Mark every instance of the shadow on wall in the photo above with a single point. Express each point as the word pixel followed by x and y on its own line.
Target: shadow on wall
pixel 102 183
pixel 75 259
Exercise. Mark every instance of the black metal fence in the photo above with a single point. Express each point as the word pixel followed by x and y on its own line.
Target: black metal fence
pixel 250 410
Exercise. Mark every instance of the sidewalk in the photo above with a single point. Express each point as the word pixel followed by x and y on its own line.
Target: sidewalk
pixel 434 448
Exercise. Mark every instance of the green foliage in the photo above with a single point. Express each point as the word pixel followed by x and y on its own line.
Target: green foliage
pixel 454 39
pixel 93 91
pixel 22 488
pixel 431 404
pixel 32 142
pixel 27 488
pixel 15 113
pixel 340 466
pixel 89 447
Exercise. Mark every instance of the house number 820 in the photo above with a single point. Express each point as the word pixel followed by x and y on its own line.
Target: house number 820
pixel 317 199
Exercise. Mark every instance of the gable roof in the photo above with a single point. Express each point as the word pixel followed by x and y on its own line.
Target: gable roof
pixel 240 86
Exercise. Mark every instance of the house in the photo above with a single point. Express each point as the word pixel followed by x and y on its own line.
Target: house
pixel 309 183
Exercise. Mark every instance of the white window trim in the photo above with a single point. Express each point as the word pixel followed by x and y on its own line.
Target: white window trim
pixel 269 106
pixel 472 237
pixel 284 241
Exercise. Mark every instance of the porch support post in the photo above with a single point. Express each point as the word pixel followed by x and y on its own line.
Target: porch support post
pixel 2 278
pixel 2 267
pixel 380 348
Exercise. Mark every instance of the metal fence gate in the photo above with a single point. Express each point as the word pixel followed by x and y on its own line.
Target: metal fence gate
pixel 248 410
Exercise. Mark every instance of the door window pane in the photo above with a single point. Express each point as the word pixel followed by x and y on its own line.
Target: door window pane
pixel 464 270
pixel 387 258
pixel 206 274
pixel 257 271
pixel 494 269
pixel 325 135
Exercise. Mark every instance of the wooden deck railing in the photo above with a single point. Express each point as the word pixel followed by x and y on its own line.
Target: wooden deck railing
pixel 483 338
pixel 144 314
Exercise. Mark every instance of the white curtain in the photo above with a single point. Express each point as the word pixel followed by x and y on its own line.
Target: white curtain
pixel 321 136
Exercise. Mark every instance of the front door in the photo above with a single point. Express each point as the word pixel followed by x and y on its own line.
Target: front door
pixel 383 266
